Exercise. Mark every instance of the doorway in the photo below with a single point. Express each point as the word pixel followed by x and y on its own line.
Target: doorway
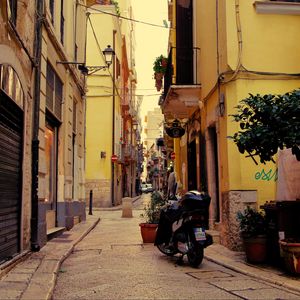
pixel 192 166
pixel 213 165
pixel 51 173
pixel 11 158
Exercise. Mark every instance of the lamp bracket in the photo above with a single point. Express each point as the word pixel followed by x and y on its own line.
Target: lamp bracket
pixel 85 70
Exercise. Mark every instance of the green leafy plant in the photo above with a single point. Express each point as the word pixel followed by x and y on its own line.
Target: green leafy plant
pixel 152 209
pixel 116 4
pixel 251 222
pixel 160 64
pixel 267 123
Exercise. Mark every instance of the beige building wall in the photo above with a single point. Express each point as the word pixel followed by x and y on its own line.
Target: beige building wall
pixel 58 48
pixel 20 58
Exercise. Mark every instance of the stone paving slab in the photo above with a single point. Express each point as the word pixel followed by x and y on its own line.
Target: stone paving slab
pixel 235 261
pixel 35 277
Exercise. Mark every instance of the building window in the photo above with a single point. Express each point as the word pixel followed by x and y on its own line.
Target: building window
pixel 11 85
pixel 76 52
pixel 74 151
pixel 74 115
pixel 54 92
pixel 13 11
pixel 51 7
pixel 118 68
pixel 62 22
pixel 75 31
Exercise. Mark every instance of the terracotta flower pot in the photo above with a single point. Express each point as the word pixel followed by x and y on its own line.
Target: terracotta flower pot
pixel 158 84
pixel 290 251
pixel 256 249
pixel 164 63
pixel 148 232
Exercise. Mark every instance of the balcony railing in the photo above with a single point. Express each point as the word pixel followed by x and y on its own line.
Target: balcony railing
pixel 182 71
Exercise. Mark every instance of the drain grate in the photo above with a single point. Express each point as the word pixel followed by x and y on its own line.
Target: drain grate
pixel 209 274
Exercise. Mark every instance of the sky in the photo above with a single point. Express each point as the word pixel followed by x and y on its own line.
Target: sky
pixel 151 42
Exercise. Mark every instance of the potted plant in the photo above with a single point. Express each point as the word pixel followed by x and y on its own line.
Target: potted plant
pixel 151 217
pixel 252 225
pixel 159 68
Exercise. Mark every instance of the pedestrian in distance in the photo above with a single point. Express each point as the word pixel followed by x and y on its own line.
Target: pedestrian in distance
pixel 172 184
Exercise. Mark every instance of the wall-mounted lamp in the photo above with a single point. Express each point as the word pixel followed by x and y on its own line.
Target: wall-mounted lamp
pixel 222 104
pixel 88 70
pixel 175 130
pixel 135 125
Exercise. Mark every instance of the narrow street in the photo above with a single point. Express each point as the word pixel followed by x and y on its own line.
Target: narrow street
pixel 112 263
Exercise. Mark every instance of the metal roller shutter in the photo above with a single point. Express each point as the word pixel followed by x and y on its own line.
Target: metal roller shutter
pixel 11 135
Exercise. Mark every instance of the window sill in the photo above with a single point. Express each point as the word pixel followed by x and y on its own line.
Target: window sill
pixel 280 8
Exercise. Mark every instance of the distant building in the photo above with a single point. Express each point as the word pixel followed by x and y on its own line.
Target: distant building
pixel 113 124
pixel 153 130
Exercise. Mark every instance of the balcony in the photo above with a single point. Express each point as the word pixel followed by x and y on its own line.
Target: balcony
pixel 125 101
pixel 182 87
pixel 129 153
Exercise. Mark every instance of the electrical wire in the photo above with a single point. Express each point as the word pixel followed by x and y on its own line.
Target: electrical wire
pixel 100 50
pixel 126 18
pixel 116 88
pixel 240 42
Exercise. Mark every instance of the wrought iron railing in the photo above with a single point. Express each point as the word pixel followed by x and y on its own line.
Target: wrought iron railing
pixel 184 70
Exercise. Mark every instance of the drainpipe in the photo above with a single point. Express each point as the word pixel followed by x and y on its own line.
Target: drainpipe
pixel 35 132
pixel 113 123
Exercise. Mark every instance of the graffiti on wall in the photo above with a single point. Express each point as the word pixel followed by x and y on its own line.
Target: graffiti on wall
pixel 266 175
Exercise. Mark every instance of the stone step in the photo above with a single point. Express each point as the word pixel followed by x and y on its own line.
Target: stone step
pixel 54 232
pixel 215 235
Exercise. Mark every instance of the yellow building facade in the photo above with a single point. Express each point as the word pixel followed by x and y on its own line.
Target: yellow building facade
pixel 242 47
pixel 111 107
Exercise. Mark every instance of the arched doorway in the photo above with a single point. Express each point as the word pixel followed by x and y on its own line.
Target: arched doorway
pixel 11 160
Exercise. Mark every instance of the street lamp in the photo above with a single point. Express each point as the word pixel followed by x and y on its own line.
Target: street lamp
pixel 88 70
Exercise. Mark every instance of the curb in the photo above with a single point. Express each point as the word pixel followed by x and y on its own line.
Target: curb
pixel 117 207
pixel 37 287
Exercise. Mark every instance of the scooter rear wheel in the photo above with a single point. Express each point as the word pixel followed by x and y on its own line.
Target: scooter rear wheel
pixel 166 249
pixel 195 255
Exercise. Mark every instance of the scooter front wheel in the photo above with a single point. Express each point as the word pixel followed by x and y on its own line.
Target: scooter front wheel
pixel 195 255
pixel 166 249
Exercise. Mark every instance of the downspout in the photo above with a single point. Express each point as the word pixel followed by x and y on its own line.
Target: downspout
pixel 35 246
pixel 85 84
pixel 113 123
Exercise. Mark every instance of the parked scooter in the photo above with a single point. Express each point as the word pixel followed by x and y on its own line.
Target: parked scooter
pixel 182 226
